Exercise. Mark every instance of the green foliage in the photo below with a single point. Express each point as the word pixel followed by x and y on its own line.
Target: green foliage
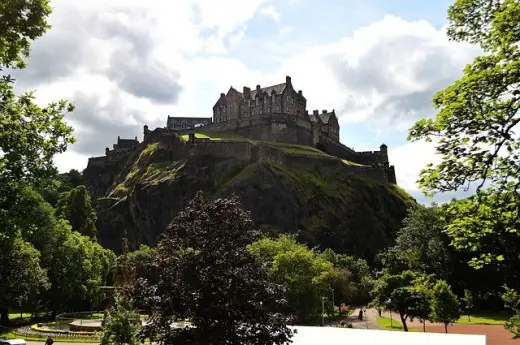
pixel 306 275
pixel 355 275
pixel 406 293
pixel 75 206
pixel 420 243
pixel 513 325
pixel 121 324
pixel 22 277
pixel 22 21
pixel 475 127
pixel 445 306
pixel 486 225
pixel 511 299
pixel 467 301
pixel 207 275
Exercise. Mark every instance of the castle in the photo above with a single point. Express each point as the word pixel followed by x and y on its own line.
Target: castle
pixel 275 113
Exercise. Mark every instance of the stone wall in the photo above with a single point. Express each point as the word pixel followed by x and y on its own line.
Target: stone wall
pixel 221 148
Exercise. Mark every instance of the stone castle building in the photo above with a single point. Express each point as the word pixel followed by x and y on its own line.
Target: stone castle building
pixel 266 114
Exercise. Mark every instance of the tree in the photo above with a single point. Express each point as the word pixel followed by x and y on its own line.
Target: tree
pixel 468 302
pixel 361 281
pixel 406 293
pixel 421 244
pixel 475 128
pixel 22 21
pixel 445 306
pixel 75 206
pixel 121 324
pixel 207 275
pixel 306 275
pixel 511 300
pixel 22 276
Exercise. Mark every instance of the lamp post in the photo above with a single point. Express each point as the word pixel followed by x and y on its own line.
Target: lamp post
pixel 322 311
pixel 333 306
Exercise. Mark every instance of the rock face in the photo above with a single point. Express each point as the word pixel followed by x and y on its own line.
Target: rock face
pixel 323 206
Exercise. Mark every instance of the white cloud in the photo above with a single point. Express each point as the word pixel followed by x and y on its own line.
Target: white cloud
pixel 135 62
pixel 385 73
pixel 270 12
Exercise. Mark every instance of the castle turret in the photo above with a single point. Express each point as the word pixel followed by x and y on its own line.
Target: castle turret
pixel 384 152
pixel 107 150
pixel 288 80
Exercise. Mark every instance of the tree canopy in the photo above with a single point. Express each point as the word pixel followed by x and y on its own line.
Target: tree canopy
pixel 476 130
pixel 207 275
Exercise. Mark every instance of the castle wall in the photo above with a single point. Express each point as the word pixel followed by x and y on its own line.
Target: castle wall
pixel 221 148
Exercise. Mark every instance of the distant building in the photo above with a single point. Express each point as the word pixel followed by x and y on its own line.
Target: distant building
pixel 181 123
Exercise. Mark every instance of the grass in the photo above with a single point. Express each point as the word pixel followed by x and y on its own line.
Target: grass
pixel 351 163
pixel 42 339
pixel 484 319
pixel 392 325
pixel 186 137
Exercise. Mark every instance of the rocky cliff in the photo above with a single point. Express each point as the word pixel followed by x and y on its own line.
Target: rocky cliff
pixel 323 205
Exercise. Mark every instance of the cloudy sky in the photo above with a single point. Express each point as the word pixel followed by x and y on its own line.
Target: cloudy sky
pixel 128 63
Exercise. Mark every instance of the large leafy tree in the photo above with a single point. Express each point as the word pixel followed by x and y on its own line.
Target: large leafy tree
pixel 406 293
pixel 307 276
pixel 421 244
pixel 76 207
pixel 476 132
pixel 207 275
pixel 30 136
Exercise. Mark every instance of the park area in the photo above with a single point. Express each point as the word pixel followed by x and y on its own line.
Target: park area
pixel 490 325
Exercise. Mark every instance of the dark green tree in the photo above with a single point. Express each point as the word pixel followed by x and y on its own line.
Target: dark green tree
pixel 404 293
pixel 445 306
pixel 476 132
pixel 22 276
pixel 75 206
pixel 208 276
pixel 421 244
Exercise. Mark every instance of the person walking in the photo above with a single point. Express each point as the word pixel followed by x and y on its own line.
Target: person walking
pixel 49 341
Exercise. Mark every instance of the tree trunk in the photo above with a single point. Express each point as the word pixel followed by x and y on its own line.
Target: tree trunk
pixel 445 328
pixel 424 326
pixel 4 316
pixel 403 321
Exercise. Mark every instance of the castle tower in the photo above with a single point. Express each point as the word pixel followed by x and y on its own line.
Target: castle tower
pixel 384 152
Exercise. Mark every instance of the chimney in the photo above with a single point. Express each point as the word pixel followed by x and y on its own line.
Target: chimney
pixel 300 93
pixel 258 88
pixel 324 112
pixel 222 95
pixel 118 137
pixel 287 80
pixel 136 138
pixel 315 112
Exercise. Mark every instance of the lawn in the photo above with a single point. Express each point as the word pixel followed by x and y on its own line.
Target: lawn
pixel 392 325
pixel 484 319
pixel 55 338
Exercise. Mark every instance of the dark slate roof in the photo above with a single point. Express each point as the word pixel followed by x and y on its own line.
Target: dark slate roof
pixel 278 89
pixel 325 117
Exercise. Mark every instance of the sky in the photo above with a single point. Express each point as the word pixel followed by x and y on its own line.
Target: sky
pixel 127 63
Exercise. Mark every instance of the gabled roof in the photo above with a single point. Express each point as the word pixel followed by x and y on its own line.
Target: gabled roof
pixel 326 117
pixel 278 89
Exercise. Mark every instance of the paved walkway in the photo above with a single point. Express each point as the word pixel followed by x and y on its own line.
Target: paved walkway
pixel 368 322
